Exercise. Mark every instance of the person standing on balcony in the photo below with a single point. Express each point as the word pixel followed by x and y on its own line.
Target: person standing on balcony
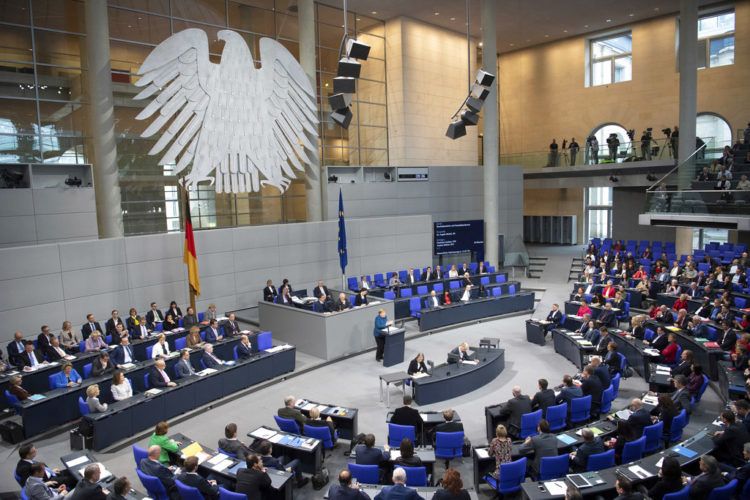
pixel 552 162
pixel 573 148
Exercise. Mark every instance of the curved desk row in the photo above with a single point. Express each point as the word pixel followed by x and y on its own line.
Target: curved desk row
pixel 402 305
pixel 454 314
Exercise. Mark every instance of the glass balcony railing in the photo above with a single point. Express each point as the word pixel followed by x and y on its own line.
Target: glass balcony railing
pixel 714 202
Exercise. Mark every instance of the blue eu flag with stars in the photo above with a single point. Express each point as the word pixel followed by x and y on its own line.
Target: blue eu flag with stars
pixel 343 259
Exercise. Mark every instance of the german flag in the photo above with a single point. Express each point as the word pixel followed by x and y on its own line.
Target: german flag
pixel 190 257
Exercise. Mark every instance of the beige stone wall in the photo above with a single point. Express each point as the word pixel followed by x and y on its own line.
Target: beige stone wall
pixel 564 201
pixel 543 93
pixel 427 80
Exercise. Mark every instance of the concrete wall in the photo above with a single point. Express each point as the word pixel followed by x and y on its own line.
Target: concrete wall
pixel 627 203
pixel 426 78
pixel 564 201
pixel 450 193
pixel 46 284
pixel 544 95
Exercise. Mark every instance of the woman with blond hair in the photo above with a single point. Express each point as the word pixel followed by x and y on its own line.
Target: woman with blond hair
pixel 161 348
pixel 501 448
pixel 92 399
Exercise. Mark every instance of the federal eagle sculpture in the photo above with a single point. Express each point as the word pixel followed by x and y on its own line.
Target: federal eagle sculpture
pixel 248 125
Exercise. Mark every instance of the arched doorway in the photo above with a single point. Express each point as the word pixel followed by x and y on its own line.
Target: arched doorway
pixel 602 133
pixel 714 130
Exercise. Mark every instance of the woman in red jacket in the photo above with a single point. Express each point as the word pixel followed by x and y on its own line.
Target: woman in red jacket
pixel 669 353
pixel 680 303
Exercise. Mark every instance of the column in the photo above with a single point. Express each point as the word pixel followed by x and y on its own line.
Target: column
pixel 101 121
pixel 687 57
pixel 491 133
pixel 315 187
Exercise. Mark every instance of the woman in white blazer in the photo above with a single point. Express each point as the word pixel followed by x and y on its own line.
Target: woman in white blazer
pixel 121 388
pixel 161 348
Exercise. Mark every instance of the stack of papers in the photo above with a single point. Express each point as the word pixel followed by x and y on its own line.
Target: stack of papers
pixel 191 450
pixel 663 370
pixel 595 430
pixel 420 375
pixel 565 438
pixel 482 452
pixel 639 471
pixel 78 461
pixel 152 392
pixel 470 362
pixel 556 487
pixel 206 371
pixel 127 366
pixel 651 351
pixel 220 462
pixel 395 454
pixel 263 433
pixel 276 438
pixel 36 397
pixel 623 414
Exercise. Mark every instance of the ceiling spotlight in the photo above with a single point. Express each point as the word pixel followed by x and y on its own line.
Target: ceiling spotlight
pixel 585 25
pixel 470 118
pixel 374 12
pixel 631 15
pixel 436 13
pixel 609 20
pixel 349 67
pixel 357 50
pixel 343 117
pixel 651 177
pixel 565 31
pixel 344 85
pixel 546 36
pixel 481 44
pixel 484 78
pixel 453 18
pixel 614 178
pixel 456 129
pixel 339 101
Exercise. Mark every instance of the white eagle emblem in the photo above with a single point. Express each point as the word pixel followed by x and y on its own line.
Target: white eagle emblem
pixel 247 124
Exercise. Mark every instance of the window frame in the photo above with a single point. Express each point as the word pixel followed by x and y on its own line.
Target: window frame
pixel 591 60
pixel 706 40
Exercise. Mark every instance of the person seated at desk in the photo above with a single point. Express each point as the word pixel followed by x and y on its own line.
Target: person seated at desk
pixel 170 323
pixel 727 337
pixel 592 386
pixel 285 297
pixel 640 273
pixel 601 370
pixel 367 454
pixel 433 301
pixel 121 388
pixel 407 458
pixel 161 347
pixel 660 341
pixel 281 463
pixel 210 360
pixel 607 317
pixel 437 274
pixel 683 320
pixel 399 490
pixel 412 277
pixel 292 413
pixel 120 489
pixel 543 444
pixel 253 481
pixel 165 443
pixel 680 397
pixel 728 442
pixel 612 361
pixel 38 488
pixel 406 415
pixel 586 323
pixel 153 466
pixel 190 319
pixel 321 305
pixel 157 375
pixel 361 298
pixel 174 310
pixel 578 295
pixel 342 304
pixel 704 310
pixel 669 353
pixel 315 421
pixel 209 314
pixel 92 399
pixel 231 444
pixel 90 326
pixel 346 489
pixel 637 329
pixel 123 353
pixel 244 348
pixel 464 269
pixel 680 303
pixel 183 367
pixel 742 474
pixel 213 334
pixel 66 377
pixel 686 364
pixel 120 333
pixel 269 292
pixel 69 339
pixel 417 365
pixel 54 352
pixel 29 358
pixel 88 488
pixel 603 343
pixel 608 292
pixel 466 279
pixel 43 339
pixel 554 318
pixel 591 446
pixel 453 271
pixel 625 489
pixel 139 331
pixel 102 364
pixel 500 448
pixel 664 315
pixel 448 424
pixel 673 288
pixel 193 339
pixel 364 283
pixel 670 479
pixel 27 454
pixel 513 409
pixel 460 353
pixel 598 300
pixel 154 316
pixel 394 283
pixel 568 392
pixel 584 308
pixel 231 327
pixel 321 289
pixel 133 321
pixel 95 343
pixel 14 387
pixel 544 398
pixel 112 322
pixel 625 433
pixel 709 479
pixel 481 269
pixel 189 477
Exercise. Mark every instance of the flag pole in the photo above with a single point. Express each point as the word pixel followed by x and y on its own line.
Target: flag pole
pixel 186 201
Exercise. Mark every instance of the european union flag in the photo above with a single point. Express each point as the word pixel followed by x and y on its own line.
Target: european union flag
pixel 343 259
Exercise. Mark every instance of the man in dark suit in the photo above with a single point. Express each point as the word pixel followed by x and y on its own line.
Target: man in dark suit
pixel 464 269
pixel 111 324
pixel 120 488
pixel 231 327
pixel 153 467
pixel 412 277
pixel 406 415
pixel 184 368
pixel 662 339
pixel 321 305
pixel 157 376
pixel 601 345
pixel 448 425
pixel 213 334
pixel 544 444
pixel 231 444
pixel 91 325
pixel 568 391
pixel 513 409
pixel 321 289
pixel 591 446
pixel 281 463
pixel 437 274
pixel 345 490
pixel 742 407
pixel 154 316
pixel 686 364
pixel 244 348
pixel 681 395
pixel 639 417
pixel 728 443
pixel 743 473
pixel 342 304
pixel 727 337
pixel 30 357
pixel 88 488
pixel 694 292
pixel 709 479
pixel 607 317
pixel 544 398
pixel 123 353
pixel 210 360
pixel 367 454
pixel 554 317
pixel 53 351
pixel 592 386
pixel 292 413
pixel 254 481
pixel 44 338
pixel 189 477
pixel 399 490
pixel 460 353
pixel 601 371
pixel 27 454
pixel 102 365
pixel 269 292
pixel 16 348
pixel 433 300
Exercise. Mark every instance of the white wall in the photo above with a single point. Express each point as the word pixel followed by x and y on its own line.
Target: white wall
pixel 46 284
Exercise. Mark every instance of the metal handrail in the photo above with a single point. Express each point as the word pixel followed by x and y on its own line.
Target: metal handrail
pixel 676 167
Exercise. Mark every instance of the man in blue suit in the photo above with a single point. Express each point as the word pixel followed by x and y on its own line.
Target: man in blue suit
pixel 123 353
pixel 398 491
pixel 67 377
pixel 16 348
pixel 153 467
pixel 209 359
pixel 321 305
pixel 184 368
pixel 281 463
pixel 244 348
pixel 568 391
pixel 213 334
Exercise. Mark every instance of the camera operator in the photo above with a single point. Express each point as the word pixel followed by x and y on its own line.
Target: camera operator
pixel 593 146
pixel 646 144
pixel 613 143
pixel 552 154
pixel 573 148
pixel 674 141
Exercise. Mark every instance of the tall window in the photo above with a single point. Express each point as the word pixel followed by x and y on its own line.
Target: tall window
pixel 702 237
pixel 598 212
pixel 716 39
pixel 714 131
pixel 611 59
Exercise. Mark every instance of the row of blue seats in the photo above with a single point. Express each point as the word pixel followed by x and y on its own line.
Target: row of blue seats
pixel 382 279
pixel 416 304
pixel 455 284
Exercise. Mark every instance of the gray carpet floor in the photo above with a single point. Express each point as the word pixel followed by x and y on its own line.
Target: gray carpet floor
pixel 354 382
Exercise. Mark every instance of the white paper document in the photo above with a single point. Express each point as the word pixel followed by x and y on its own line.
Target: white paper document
pixel 276 438
pixel 217 459
pixel 263 433
pixel 78 461
pixel 223 465
pixel 639 471
pixel 420 375
pixel 556 487
pixel 482 452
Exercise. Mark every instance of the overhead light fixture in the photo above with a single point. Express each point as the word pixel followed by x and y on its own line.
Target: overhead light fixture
pixel 609 20
pixel 613 178
pixel 456 129
pixel 631 15
pixel 481 44
pixel 357 50
pixel 349 67
pixel 650 177
pixel 468 114
pixel 374 12
pixel 453 18
pixel 344 84
pixel 436 13
pixel 340 101
pixel 342 116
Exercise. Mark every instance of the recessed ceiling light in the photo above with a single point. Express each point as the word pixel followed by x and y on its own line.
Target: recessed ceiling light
pixel 358 19
pixel 481 44
pixel 585 25
pixel 546 36
pixel 656 9
pixel 436 13
pixel 512 44
pixel 609 20
pixel 565 31
pixel 326 84
pixel 374 12
pixel 631 15
pixel 528 40
pixel 453 18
